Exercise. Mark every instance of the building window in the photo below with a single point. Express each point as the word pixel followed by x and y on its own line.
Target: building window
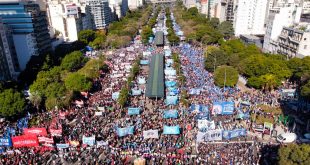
pixel 305 47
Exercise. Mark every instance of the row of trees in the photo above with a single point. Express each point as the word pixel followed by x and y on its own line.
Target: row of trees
pixel 172 37
pixel 264 71
pixel 121 33
pixel 181 79
pixel 58 85
pixel 197 27
pixel 294 154
pixel 147 29
pixel 124 93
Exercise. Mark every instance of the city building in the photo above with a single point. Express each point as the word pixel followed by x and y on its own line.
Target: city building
pixel 204 9
pixel 249 17
pixel 9 67
pixel 306 7
pixel 100 12
pixel 230 6
pixel 65 20
pixel 134 4
pixel 294 41
pixel 285 15
pixel 218 10
pixel 188 3
pixel 29 29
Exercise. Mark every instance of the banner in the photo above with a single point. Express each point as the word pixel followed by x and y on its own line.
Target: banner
pixel 228 108
pixel 134 111
pixel 98 113
pixel 100 108
pixel 136 92
pixel 171 100
pixel 115 95
pixel 171 114
pixel 46 140
pixel 211 135
pixel 171 130
pixel 170 83
pixel 141 80
pixel 205 124
pixel 56 132
pixel 223 108
pixel 89 140
pixel 35 131
pixel 150 134
pixel 25 141
pixel 229 134
pixel 5 142
pixel 62 145
pixel 125 131
pixel 102 143
pixel 144 62
pixel 170 72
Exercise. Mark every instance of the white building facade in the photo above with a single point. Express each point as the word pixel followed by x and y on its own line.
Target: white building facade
pixel 279 17
pixel 249 17
pixel 101 13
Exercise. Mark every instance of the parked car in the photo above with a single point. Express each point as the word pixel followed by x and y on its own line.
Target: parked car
pixel 287 138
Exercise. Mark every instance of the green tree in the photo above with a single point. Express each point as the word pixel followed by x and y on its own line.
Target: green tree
pixel 226 75
pixel 214 22
pixel 77 82
pixel 146 33
pixel 72 61
pixel 305 90
pixel 214 58
pixel 11 103
pixel 86 36
pixel 294 154
pixel 226 28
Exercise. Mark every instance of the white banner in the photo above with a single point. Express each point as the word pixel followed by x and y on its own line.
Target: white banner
pixel 102 143
pixel 211 135
pixel 205 124
pixel 100 108
pixel 98 113
pixel 150 134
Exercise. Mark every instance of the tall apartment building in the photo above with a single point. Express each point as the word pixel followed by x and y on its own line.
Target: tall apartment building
pixel 65 19
pixel 249 17
pixel 230 6
pixel 294 41
pixel 218 10
pixel 280 16
pixel 101 13
pixel 29 29
pixel 134 4
pixel 9 67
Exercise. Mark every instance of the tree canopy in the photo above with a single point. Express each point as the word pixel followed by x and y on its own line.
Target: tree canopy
pixel 77 82
pixel 86 36
pixel 229 72
pixel 11 103
pixel 294 154
pixel 73 61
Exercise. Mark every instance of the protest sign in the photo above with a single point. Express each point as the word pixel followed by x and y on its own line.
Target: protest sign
pixel 134 111
pixel 6 142
pixel 171 130
pixel 62 145
pixel 56 132
pixel 150 134
pixel 25 141
pixel 46 140
pixel 35 131
pixel 170 114
pixel 125 131
pixel 89 140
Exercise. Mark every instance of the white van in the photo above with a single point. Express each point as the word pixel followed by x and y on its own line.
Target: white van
pixel 287 137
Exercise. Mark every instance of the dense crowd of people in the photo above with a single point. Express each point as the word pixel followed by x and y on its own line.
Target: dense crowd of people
pixel 98 115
